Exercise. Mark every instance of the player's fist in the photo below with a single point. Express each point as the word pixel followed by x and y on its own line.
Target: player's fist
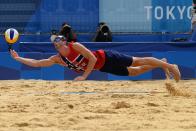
pixel 14 54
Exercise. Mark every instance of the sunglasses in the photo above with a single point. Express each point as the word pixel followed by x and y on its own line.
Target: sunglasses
pixel 57 39
pixel 58 42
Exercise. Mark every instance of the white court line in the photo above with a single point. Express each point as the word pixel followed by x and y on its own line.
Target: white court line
pixel 91 93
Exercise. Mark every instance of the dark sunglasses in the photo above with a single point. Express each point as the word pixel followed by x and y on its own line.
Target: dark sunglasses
pixel 57 39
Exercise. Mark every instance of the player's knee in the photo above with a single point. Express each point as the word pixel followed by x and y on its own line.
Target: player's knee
pixel 137 61
pixel 137 70
pixel 134 71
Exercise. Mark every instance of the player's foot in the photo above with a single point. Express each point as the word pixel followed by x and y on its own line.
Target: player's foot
pixel 167 73
pixel 175 72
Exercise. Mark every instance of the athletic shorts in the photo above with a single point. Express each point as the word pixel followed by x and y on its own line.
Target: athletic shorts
pixel 116 63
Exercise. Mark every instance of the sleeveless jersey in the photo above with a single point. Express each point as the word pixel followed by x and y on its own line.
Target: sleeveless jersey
pixel 77 62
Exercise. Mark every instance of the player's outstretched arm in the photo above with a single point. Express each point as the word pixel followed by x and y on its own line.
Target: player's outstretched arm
pixel 32 62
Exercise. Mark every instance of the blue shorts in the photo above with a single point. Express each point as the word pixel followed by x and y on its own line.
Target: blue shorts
pixel 116 63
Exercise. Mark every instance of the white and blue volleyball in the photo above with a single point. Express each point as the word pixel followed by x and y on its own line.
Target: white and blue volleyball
pixel 11 35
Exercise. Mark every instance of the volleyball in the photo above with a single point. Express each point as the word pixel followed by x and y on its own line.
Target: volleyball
pixel 11 35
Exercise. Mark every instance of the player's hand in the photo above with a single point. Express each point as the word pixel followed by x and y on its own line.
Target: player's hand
pixel 14 54
pixel 80 78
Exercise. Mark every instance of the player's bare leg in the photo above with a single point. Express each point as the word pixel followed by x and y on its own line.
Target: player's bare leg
pixel 149 68
pixel 149 63
pixel 138 70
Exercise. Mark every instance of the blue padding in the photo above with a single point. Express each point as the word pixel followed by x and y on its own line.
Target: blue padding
pixel 185 62
pixel 158 74
pixel 187 72
pixel 6 60
pixel 145 76
pixel 70 75
pixel 35 74
pixel 55 72
pixel 35 48
pixel 182 58
pixel 7 73
pixel 137 37
pixel 193 37
pixel 121 47
pixel 11 69
pixel 159 55
pixel 97 75
pixel 115 77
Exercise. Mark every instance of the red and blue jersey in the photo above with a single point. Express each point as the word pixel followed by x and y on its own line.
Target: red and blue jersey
pixel 77 62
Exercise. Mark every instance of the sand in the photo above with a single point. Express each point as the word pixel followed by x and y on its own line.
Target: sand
pixel 35 105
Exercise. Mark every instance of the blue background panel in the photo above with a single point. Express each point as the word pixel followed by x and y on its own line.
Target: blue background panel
pixel 125 15
pixel 8 70
pixel 56 72
pixel 35 16
pixel 43 15
pixel 7 73
pixel 31 74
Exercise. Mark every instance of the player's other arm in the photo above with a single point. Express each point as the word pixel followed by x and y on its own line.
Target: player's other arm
pixel 87 54
pixel 32 62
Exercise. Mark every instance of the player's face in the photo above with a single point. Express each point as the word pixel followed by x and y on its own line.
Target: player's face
pixel 58 45
pixel 61 47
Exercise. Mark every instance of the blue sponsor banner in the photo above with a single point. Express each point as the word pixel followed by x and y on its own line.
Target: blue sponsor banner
pixel 170 16
pixel 146 15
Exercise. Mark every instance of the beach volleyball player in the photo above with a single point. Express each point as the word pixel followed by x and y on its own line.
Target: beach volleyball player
pixel 80 59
